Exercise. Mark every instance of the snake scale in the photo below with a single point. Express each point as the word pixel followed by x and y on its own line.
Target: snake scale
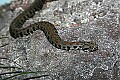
pixel 48 28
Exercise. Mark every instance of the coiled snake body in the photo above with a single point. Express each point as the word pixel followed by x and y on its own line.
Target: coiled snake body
pixel 49 30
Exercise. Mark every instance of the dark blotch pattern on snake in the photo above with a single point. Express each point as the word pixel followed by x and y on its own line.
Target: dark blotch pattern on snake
pixel 49 30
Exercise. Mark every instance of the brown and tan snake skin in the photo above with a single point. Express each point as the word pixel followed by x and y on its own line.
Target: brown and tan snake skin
pixel 49 30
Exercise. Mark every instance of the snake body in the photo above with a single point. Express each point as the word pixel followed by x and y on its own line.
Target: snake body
pixel 48 28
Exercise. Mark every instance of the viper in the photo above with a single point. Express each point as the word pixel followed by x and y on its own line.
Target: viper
pixel 48 28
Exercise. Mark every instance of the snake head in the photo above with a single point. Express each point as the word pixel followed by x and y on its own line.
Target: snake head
pixel 89 46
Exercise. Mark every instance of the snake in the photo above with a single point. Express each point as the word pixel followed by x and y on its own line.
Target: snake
pixel 51 33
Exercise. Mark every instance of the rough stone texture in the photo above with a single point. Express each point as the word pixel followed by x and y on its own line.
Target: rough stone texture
pixel 90 20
